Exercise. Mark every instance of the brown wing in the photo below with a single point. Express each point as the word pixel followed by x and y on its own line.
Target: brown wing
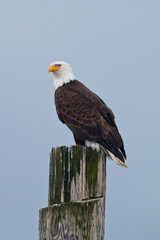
pixel 88 117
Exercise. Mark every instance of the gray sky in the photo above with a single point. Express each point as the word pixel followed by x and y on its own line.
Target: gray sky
pixel 114 49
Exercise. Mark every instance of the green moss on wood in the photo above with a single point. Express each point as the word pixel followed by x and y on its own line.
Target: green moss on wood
pixel 82 213
pixel 58 164
pixel 65 173
pixel 91 170
pixel 79 215
pixel 76 156
pixel 65 165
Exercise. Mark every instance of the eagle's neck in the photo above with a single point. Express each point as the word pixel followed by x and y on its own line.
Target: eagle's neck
pixel 61 79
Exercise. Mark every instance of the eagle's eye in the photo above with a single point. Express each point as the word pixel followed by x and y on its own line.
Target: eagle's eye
pixel 58 65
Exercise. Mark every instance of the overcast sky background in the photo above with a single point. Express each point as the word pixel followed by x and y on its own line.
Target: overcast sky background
pixel 113 47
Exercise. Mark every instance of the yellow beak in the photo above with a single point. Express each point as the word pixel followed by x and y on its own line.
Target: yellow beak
pixel 52 68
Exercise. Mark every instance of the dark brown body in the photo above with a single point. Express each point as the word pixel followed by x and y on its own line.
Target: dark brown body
pixel 88 117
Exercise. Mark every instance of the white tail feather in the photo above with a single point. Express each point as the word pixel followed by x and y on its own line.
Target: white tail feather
pixel 115 159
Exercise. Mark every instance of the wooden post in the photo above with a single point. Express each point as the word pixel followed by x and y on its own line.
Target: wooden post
pixel 76 200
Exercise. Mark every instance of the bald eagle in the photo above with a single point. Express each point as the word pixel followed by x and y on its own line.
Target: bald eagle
pixel 91 121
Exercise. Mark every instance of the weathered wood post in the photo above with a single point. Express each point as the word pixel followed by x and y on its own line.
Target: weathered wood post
pixel 76 200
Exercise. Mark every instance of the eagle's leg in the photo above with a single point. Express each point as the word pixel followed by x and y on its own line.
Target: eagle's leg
pixel 78 141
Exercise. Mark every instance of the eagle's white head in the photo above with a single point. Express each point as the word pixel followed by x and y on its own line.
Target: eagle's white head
pixel 62 73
